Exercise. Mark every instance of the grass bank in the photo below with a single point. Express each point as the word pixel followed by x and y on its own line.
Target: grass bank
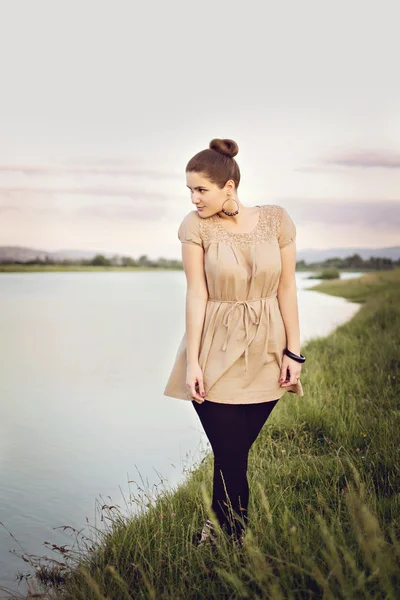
pixel 324 480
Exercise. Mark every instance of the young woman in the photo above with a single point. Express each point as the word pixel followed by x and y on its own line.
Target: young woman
pixel 241 349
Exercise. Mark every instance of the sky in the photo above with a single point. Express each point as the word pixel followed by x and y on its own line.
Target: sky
pixel 102 104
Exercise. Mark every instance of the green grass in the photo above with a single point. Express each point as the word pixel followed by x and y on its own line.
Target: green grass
pixel 324 482
pixel 326 273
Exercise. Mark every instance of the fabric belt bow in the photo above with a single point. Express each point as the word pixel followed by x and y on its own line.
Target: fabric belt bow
pixel 249 313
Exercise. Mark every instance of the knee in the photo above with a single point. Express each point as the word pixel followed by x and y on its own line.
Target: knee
pixel 231 460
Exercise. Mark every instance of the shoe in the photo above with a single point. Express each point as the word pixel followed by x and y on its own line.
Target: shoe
pixel 207 534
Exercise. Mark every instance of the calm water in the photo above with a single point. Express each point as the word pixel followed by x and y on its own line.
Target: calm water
pixel 84 360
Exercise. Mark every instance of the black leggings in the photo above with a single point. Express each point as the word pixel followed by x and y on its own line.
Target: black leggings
pixel 231 430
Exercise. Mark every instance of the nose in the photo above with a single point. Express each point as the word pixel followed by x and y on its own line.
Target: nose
pixel 195 200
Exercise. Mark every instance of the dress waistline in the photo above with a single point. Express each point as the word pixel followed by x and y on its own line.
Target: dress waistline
pixel 243 301
pixel 250 313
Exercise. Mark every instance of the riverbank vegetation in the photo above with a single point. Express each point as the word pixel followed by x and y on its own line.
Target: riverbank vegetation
pixel 324 481
pixel 99 262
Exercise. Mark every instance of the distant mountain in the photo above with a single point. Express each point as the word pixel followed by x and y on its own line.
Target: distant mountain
pixel 310 255
pixel 22 254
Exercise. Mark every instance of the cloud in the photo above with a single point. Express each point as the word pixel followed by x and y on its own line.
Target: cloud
pixel 5 209
pixel 368 159
pixel 85 191
pixel 94 168
pixel 382 215
pixel 146 206
pixel 118 211
pixel 364 159
pixel 79 189
pixel 379 214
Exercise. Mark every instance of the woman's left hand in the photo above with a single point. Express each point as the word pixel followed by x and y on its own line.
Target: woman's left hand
pixel 290 371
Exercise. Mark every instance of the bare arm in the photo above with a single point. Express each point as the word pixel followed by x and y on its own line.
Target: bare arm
pixel 287 297
pixel 196 298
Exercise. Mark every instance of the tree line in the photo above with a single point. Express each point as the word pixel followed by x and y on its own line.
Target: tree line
pixel 354 262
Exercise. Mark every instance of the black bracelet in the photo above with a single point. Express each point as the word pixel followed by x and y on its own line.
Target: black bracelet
pixel 299 359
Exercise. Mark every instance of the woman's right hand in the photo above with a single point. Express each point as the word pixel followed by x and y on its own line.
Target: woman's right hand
pixel 194 382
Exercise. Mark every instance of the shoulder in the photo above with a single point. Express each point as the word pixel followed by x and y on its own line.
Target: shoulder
pixel 273 209
pixel 279 223
pixel 285 227
pixel 192 218
pixel 190 228
pixel 192 221
pixel 273 214
pixel 276 212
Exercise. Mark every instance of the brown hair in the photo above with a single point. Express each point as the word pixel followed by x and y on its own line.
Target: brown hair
pixel 216 163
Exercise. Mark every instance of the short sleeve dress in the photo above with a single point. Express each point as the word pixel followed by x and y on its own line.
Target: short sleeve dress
pixel 243 335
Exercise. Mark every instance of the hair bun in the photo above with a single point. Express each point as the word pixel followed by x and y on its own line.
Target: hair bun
pixel 224 146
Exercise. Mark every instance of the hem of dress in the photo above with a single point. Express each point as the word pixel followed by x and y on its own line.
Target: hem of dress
pixel 254 399
pixel 257 400
pixel 177 395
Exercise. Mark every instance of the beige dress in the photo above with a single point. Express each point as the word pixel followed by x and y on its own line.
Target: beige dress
pixel 243 335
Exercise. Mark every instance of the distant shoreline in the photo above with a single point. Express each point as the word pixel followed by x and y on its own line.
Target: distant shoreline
pixel 14 268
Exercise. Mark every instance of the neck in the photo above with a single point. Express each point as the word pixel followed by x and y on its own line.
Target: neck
pixel 241 216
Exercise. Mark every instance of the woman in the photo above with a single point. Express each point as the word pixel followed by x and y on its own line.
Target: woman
pixel 241 349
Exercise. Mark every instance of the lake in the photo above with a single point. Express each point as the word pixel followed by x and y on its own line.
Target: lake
pixel 84 361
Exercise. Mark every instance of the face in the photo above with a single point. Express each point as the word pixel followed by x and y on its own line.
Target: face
pixel 207 196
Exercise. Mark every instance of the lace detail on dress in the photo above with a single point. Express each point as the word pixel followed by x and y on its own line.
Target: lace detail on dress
pixel 266 229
